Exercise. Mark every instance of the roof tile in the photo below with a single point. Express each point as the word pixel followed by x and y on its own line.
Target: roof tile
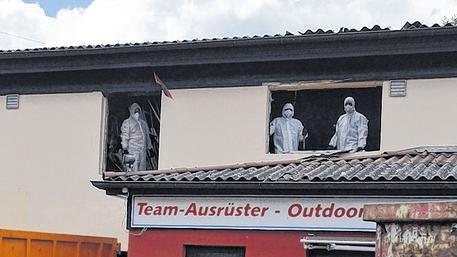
pixel 409 166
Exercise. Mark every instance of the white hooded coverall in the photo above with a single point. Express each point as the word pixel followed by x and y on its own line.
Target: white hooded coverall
pixel 351 129
pixel 135 138
pixel 287 131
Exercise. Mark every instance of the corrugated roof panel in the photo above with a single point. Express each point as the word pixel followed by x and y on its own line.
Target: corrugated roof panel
pixel 429 172
pixel 275 175
pixel 214 174
pixel 407 166
pixel 308 33
pixel 229 174
pixel 417 170
pixel 340 173
pixel 453 171
pixel 254 172
pixel 199 175
pixel 371 172
pixel 263 175
pixel 445 172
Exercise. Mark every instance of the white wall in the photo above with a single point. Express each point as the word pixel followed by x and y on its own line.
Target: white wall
pixel 50 150
pixel 426 116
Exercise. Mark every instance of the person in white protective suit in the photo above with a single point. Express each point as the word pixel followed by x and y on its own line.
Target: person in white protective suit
pixel 287 131
pixel 351 129
pixel 135 138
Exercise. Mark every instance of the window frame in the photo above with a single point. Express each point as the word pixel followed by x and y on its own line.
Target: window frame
pixel 314 85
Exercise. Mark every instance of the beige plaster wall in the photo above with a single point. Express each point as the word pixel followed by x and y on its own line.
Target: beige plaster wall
pixel 213 126
pixel 51 146
pixel 50 150
pixel 218 126
pixel 426 116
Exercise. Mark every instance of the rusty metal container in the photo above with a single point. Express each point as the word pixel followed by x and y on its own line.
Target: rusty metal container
pixel 15 243
pixel 414 229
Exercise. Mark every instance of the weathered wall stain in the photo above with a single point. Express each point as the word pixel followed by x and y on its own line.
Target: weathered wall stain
pixel 417 240
pixel 414 229
pixel 411 212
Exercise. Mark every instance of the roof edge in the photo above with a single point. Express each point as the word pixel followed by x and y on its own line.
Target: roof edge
pixel 288 37
pixel 372 188
pixel 318 155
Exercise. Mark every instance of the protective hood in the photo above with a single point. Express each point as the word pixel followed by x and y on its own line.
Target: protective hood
pixel 349 105
pixel 132 109
pixel 285 108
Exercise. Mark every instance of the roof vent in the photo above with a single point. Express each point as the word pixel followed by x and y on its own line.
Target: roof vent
pixel 12 101
pixel 398 88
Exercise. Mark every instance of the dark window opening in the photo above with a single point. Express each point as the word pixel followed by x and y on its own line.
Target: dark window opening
pixel 325 253
pixel 118 111
pixel 214 251
pixel 319 110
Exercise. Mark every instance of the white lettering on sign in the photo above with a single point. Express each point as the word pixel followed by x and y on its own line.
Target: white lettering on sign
pixel 273 213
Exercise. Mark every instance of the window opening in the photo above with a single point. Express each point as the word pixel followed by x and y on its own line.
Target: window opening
pixel 319 109
pixel 326 253
pixel 123 158
pixel 214 251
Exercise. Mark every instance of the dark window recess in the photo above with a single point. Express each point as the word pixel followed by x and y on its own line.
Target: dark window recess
pixel 319 110
pixel 118 111
pixel 214 251
pixel 325 253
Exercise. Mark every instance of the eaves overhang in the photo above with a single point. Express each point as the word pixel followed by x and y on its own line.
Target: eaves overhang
pixel 414 52
pixel 234 50
pixel 429 170
pixel 288 38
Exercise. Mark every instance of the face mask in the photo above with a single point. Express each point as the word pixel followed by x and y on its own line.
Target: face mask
pixel 348 108
pixel 136 115
pixel 288 114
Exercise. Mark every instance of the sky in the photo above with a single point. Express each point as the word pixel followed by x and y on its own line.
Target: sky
pixel 51 7
pixel 46 23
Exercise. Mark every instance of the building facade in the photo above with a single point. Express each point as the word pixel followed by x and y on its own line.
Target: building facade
pixel 211 143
